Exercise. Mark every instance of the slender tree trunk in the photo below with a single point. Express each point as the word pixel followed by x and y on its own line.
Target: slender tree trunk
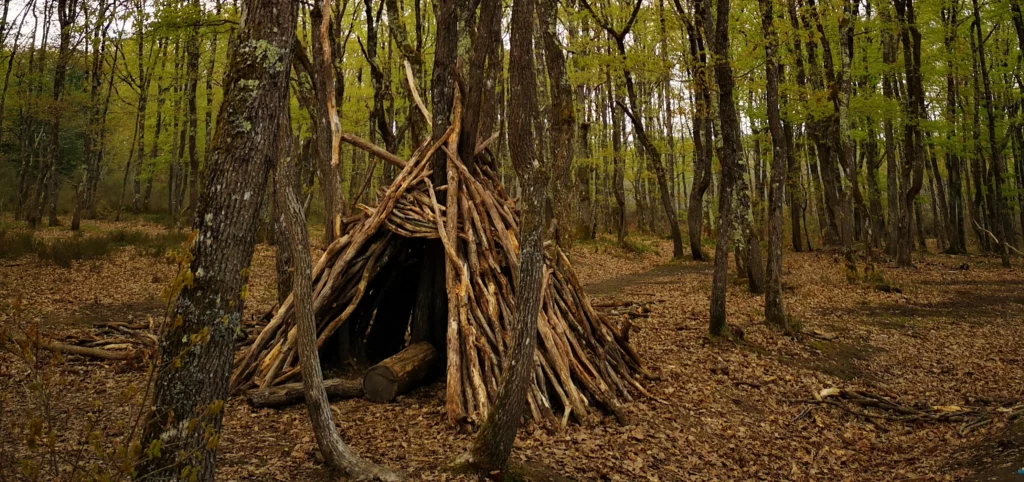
pixel 210 67
pixel 701 135
pixel 1002 219
pixel 728 155
pixel 619 164
pixel 774 311
pixel 154 153
pixel 328 125
pixel 891 162
pixel 67 12
pixel 191 112
pixel 335 452
pixel 913 171
pixel 954 163
pixel 196 353
pixel 493 444
pixel 143 85
pixel 411 52
pixel 92 145
pixel 562 122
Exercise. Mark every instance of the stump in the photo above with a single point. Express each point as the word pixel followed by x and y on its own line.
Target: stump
pixel 400 373
pixel 291 393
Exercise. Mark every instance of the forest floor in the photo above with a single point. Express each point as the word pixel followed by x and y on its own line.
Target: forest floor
pixel 723 410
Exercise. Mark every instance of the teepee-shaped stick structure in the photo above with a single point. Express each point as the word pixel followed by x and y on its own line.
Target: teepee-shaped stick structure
pixel 365 291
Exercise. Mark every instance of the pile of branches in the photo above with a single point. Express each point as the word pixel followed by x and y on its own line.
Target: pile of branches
pixel 582 360
pixel 112 341
pixel 873 407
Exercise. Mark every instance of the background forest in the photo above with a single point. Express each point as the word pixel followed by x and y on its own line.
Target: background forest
pixel 107 108
pixel 514 206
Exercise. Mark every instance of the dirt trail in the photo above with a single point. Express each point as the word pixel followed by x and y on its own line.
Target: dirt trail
pixel 661 274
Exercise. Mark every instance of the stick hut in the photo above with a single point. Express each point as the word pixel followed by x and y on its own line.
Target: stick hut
pixel 365 287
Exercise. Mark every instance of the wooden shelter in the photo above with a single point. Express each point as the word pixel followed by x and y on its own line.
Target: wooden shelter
pixel 366 284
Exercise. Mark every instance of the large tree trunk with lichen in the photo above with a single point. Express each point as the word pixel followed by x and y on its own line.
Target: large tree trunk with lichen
pixel 728 155
pixel 191 384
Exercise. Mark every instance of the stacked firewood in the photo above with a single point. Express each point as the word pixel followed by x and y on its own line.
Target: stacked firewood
pixel 582 360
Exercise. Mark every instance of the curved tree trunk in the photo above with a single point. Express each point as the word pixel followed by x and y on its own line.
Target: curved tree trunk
pixel 336 454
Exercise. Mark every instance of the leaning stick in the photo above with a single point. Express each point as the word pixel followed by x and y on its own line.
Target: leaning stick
pixel 415 94
pixel 373 149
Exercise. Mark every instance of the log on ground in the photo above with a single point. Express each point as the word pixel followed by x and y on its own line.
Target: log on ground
pixel 291 393
pixel 400 373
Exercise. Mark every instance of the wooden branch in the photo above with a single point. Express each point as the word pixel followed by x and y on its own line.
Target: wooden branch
pixel 97 353
pixel 372 149
pixel 483 145
pixel 415 93
pixel 997 241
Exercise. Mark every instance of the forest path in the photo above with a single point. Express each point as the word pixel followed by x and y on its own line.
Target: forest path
pixel 945 337
pixel 667 273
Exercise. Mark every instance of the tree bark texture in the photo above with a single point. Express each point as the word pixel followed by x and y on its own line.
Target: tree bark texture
pixel 197 349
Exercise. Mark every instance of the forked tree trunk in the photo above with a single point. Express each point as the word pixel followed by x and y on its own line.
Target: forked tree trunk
pixel 191 383
pixel 913 171
pixel 701 136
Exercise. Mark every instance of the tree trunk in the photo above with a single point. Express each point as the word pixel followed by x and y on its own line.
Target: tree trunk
pixel 774 311
pixel 891 162
pixel 191 112
pixel 954 163
pixel 336 454
pixel 493 444
pixel 562 122
pixel 913 141
pixel 701 122
pixel 92 145
pixel 66 15
pixel 196 353
pixel 618 163
pixel 328 126
pixel 1002 218
pixel 728 155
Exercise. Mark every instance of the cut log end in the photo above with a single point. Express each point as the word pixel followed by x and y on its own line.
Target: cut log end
pixel 402 372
